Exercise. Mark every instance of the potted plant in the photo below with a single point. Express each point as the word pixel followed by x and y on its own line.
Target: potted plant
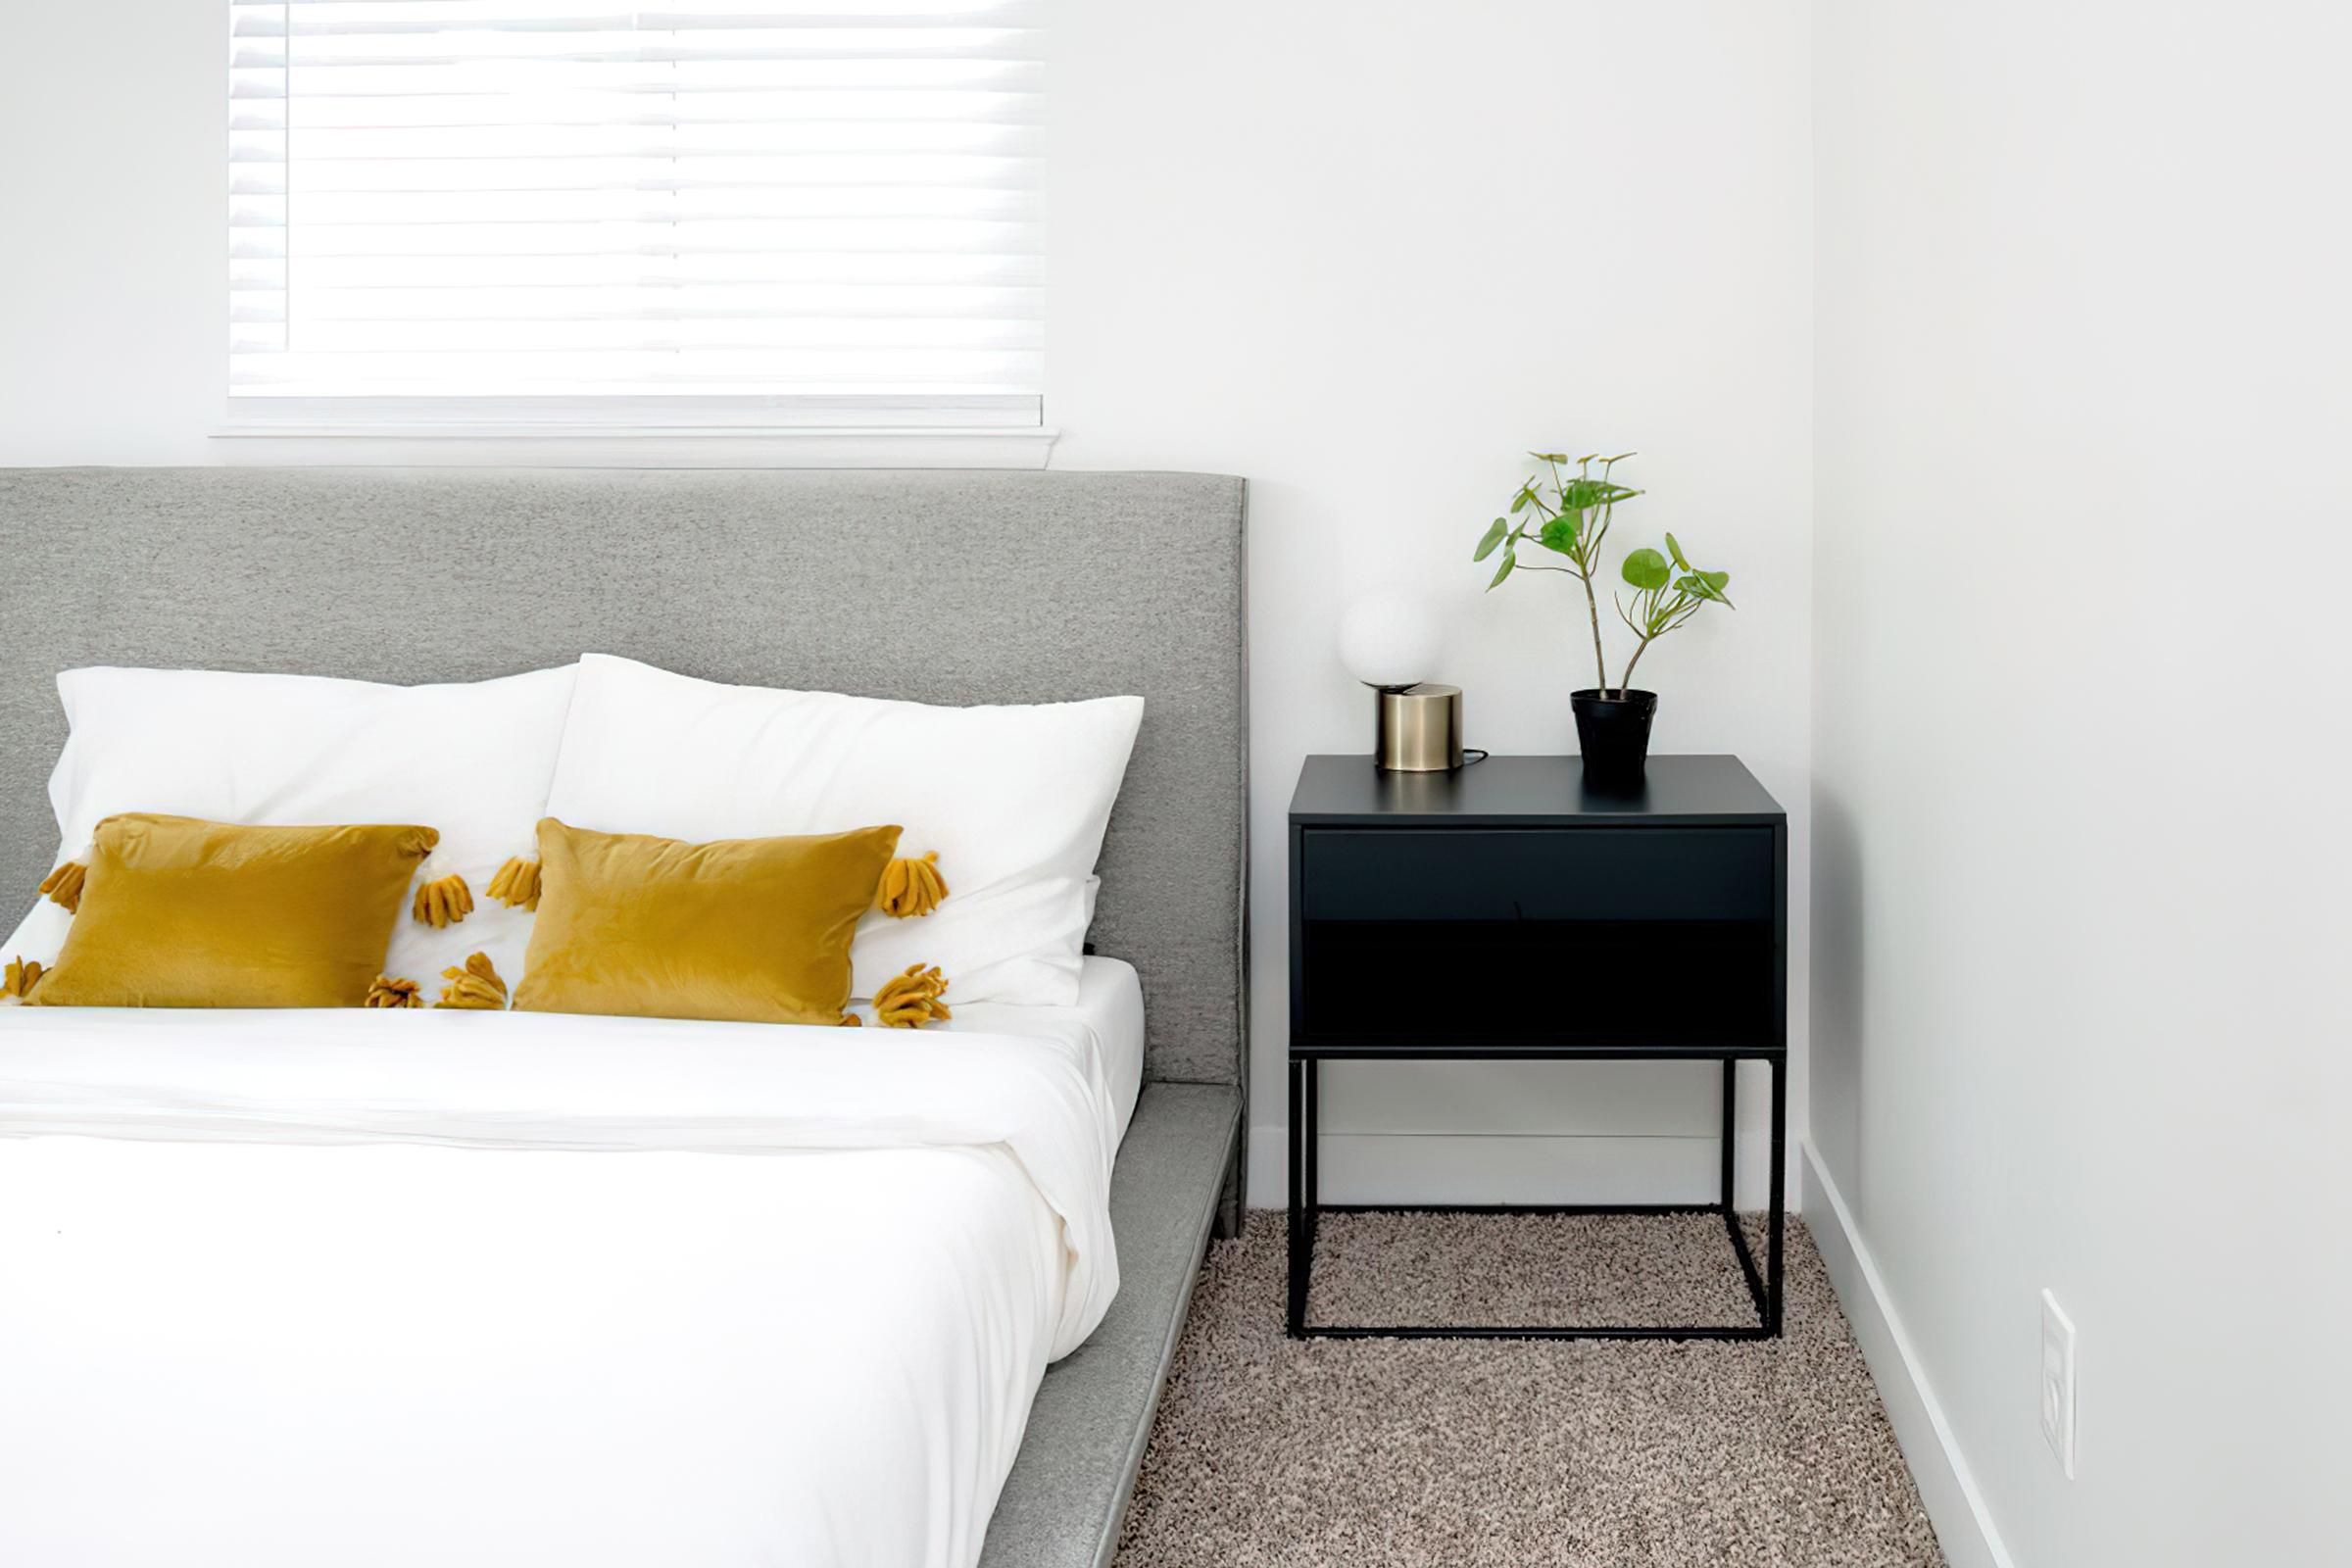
pixel 1571 519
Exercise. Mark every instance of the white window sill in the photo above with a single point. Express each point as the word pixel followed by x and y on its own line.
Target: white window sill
pixel 527 445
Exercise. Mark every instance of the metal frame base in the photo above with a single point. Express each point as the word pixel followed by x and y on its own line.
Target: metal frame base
pixel 1764 1286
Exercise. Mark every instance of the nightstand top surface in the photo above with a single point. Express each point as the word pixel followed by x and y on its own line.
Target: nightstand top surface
pixel 1529 792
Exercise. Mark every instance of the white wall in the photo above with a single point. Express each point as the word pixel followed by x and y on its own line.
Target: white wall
pixel 2080 715
pixel 1364 254
pixel 114 180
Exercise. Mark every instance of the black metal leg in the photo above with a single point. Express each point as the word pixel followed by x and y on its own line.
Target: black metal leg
pixel 1312 1153
pixel 1758 1292
pixel 1776 1216
pixel 1763 1285
pixel 1730 1130
pixel 1302 1248
pixel 1314 1145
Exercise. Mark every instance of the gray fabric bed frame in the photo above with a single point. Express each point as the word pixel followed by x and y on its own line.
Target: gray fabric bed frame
pixel 942 587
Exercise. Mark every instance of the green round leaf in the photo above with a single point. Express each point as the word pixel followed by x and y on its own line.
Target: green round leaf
pixel 1504 570
pixel 1646 570
pixel 1493 537
pixel 1560 534
pixel 1675 551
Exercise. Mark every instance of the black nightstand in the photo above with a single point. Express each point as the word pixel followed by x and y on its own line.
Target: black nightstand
pixel 1413 894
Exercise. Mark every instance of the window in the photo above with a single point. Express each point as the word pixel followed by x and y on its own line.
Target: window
pixel 778 212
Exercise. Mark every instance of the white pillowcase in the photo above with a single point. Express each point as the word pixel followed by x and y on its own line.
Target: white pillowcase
pixel 473 761
pixel 1014 799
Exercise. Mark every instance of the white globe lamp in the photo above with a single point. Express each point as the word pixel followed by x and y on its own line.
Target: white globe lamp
pixel 1389 639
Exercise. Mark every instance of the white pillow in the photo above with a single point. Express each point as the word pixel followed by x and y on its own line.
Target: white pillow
pixel 472 761
pixel 1014 799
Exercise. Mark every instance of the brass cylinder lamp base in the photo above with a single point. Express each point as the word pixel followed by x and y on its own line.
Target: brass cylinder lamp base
pixel 1420 728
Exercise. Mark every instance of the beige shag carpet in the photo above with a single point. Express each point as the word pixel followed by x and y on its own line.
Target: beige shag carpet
pixel 1271 1452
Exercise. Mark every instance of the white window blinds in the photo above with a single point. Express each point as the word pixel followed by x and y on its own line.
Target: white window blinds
pixel 827 204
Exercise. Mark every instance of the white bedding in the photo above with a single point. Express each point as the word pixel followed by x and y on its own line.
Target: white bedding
pixel 379 1288
pixel 1109 1011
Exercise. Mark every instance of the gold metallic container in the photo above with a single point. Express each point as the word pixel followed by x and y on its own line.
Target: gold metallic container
pixel 1420 728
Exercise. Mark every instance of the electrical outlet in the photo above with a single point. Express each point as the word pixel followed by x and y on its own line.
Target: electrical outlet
pixel 2058 1382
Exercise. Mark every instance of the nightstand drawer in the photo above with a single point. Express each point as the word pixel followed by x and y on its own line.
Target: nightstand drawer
pixel 1579 874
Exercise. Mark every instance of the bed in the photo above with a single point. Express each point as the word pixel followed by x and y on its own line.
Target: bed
pixel 275 1287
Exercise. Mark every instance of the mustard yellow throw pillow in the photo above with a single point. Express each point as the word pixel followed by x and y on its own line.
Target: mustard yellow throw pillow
pixel 178 913
pixel 753 930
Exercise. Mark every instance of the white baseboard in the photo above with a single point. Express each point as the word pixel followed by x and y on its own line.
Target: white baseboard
pixel 1956 1508
pixel 1389 1168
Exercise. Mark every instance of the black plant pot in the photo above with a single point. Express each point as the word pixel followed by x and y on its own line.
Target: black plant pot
pixel 1614 733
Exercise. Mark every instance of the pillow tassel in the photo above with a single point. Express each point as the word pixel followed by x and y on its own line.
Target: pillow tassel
pixel 63 885
pixel 517 885
pixel 443 902
pixel 912 1000
pixel 910 887
pixel 390 993
pixel 22 975
pixel 476 986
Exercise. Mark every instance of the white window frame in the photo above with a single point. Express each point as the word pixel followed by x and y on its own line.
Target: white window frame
pixel 654 430
pixel 621 432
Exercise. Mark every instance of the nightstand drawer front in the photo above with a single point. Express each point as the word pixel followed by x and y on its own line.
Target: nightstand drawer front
pixel 1595 873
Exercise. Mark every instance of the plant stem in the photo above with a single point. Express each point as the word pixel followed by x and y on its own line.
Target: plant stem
pixel 1592 607
pixel 1625 684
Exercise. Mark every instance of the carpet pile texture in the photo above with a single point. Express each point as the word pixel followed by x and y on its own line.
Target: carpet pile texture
pixel 1270 1452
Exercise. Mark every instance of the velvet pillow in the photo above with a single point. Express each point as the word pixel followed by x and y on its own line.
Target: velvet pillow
pixel 751 930
pixel 180 913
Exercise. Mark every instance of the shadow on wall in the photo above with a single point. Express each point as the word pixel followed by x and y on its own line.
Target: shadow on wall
pixel 1840 931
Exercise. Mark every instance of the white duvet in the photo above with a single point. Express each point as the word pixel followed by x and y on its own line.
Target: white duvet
pixel 377 1287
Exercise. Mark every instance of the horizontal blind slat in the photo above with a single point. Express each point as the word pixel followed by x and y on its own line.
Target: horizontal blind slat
pixel 398 79
pixel 267 108
pixel 708 238
pixel 645 270
pixel 927 60
pixel 635 301
pixel 848 336
pixel 325 149
pixel 636 164
pixel 740 370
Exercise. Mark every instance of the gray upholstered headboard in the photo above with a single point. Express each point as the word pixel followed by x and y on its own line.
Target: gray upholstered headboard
pixel 944 587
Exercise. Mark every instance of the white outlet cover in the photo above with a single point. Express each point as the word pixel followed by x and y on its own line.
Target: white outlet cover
pixel 2057 1383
